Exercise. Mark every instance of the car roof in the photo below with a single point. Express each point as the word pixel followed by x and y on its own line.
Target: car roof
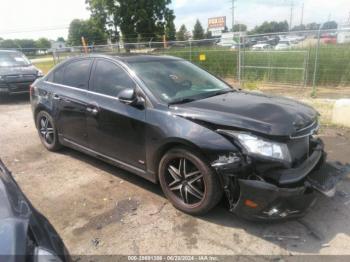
pixel 131 57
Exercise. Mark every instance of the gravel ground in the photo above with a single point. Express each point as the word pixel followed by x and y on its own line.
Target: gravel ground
pixel 100 209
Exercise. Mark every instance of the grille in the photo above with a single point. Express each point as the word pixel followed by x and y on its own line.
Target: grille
pixel 19 87
pixel 307 130
pixel 20 78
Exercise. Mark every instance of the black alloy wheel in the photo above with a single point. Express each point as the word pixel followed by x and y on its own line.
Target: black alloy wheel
pixel 47 131
pixel 188 182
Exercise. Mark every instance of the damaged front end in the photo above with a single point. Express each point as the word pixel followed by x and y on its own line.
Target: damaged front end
pixel 261 188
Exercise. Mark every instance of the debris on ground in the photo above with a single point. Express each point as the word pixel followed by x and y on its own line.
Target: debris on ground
pixel 95 242
pixel 326 245
pixel 159 209
pixel 342 193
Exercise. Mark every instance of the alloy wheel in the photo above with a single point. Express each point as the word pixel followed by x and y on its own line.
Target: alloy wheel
pixel 185 181
pixel 46 130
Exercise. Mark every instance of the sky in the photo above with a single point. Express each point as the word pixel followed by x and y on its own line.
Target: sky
pixel 51 18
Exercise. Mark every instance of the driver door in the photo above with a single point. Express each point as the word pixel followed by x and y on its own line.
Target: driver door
pixel 115 129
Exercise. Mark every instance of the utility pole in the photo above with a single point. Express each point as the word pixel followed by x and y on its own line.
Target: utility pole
pixel 302 14
pixel 233 13
pixel 291 15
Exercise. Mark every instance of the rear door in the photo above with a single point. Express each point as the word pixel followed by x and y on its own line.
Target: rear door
pixel 72 100
pixel 115 129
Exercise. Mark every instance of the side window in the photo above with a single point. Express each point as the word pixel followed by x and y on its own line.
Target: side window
pixel 57 75
pixel 77 74
pixel 110 79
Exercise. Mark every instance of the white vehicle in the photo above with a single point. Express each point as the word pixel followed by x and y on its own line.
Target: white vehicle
pixel 227 40
pixel 259 47
pixel 283 45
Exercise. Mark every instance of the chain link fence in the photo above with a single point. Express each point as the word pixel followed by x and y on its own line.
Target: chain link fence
pixel 304 59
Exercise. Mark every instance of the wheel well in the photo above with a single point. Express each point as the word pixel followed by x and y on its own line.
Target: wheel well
pixel 37 110
pixel 165 148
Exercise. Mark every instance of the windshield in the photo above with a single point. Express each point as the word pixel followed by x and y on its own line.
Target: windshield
pixel 12 59
pixel 174 81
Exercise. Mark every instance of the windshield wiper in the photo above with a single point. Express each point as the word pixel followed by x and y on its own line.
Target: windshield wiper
pixel 182 101
pixel 221 92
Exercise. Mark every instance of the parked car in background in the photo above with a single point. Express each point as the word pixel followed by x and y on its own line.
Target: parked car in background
pixel 261 47
pixel 283 46
pixel 16 73
pixel 173 123
pixel 25 234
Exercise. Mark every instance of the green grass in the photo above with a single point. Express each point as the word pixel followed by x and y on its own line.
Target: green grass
pixel 45 66
pixel 333 68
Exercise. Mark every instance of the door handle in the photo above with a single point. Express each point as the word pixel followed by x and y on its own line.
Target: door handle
pixel 92 110
pixel 56 97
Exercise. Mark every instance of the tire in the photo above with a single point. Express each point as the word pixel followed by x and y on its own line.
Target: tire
pixel 191 185
pixel 47 131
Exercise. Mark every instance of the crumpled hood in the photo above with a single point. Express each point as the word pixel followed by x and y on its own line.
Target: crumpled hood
pixel 270 115
pixel 22 70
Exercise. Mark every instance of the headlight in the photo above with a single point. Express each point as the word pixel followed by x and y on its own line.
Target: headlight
pixel 259 146
pixel 40 73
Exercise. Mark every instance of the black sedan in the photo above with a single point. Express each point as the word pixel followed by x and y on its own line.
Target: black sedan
pixel 171 122
pixel 25 234
pixel 16 73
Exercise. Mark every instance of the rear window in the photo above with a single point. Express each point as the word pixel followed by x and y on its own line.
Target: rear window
pixel 74 74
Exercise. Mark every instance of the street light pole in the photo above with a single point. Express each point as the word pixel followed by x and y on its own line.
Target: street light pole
pixel 233 13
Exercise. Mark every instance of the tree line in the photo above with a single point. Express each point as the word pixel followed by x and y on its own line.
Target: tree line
pixel 142 21
pixel 41 44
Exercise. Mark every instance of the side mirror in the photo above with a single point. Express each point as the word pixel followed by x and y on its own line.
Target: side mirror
pixel 128 96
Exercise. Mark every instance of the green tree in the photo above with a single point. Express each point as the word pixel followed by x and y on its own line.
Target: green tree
pixel 137 20
pixel 239 28
pixel 8 43
pixel 271 27
pixel 330 25
pixel 312 26
pixel 170 30
pixel 25 43
pixel 198 31
pixel 89 30
pixel 208 35
pixel 299 28
pixel 60 39
pixel 43 44
pixel 182 34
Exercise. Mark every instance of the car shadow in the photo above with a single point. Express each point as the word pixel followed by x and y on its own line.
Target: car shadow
pixel 19 99
pixel 327 219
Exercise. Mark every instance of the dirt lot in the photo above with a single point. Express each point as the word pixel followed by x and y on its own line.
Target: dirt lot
pixel 99 209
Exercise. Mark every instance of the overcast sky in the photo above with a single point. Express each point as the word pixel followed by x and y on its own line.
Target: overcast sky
pixel 51 18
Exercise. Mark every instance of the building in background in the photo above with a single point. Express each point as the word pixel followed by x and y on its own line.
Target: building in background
pixel 58 46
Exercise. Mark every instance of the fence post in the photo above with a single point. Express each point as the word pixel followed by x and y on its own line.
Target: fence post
pixel 190 50
pixel 239 61
pixel 313 94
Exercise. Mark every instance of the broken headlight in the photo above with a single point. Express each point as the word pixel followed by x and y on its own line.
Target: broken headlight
pixel 259 146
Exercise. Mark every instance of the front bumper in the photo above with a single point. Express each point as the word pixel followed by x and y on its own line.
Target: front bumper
pixel 7 88
pixel 281 193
